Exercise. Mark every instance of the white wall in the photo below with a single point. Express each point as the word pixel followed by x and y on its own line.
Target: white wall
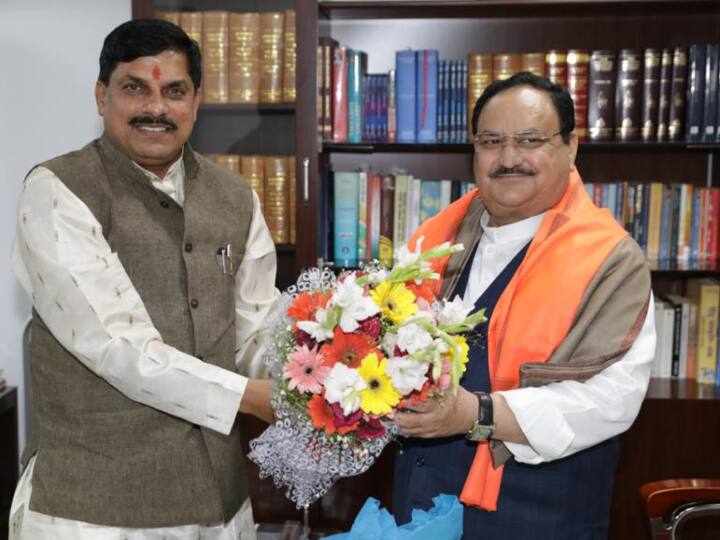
pixel 48 67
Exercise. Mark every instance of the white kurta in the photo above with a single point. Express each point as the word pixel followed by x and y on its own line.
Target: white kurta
pixel 104 323
pixel 562 418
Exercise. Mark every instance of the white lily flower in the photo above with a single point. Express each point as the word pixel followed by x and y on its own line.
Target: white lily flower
pixel 378 276
pixel 355 305
pixel 413 338
pixel 453 312
pixel 343 385
pixel 405 257
pixel 441 345
pixel 406 375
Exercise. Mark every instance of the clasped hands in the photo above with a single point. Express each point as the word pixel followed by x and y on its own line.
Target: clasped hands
pixel 439 417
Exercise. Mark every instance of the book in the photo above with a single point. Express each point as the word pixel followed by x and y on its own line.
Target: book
pixel 695 92
pixel 391 107
pixel 405 92
pixel 710 104
pixel 244 57
pixel 252 169
pixel 556 66
pixel 578 61
pixel 387 204
pixel 651 94
pixel 664 94
pixel 374 193
pixel 533 62
pixel 705 294
pixel 676 119
pixel 276 196
pixel 430 199
pixel 362 215
pixel 505 65
pixel 326 97
pixel 479 78
pixel 345 222
pixel 215 67
pixel 169 16
pixel 339 94
pixel 289 57
pixel 681 332
pixel 601 95
pixel 426 101
pixel 271 56
pixel 400 210
pixel 357 62
pixel 628 93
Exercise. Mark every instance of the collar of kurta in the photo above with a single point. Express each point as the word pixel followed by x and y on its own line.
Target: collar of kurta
pixel 573 240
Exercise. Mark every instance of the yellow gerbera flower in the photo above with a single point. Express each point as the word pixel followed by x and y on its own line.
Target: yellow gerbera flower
pixel 395 300
pixel 463 347
pixel 380 396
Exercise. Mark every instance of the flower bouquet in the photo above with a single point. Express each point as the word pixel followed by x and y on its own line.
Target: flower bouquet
pixel 346 353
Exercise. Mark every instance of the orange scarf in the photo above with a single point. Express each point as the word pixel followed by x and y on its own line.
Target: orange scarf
pixel 571 243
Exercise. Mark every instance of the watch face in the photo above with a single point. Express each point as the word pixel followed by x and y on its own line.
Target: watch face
pixel 480 432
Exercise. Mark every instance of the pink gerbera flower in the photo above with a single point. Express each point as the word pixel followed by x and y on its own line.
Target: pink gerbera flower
pixel 305 370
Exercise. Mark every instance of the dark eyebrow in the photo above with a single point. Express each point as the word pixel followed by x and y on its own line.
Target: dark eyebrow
pixel 180 83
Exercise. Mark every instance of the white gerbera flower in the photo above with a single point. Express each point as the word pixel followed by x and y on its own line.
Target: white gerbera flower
pixel 406 375
pixel 319 329
pixel 343 385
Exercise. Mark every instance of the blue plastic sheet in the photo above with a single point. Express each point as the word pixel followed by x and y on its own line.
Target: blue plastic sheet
pixel 444 521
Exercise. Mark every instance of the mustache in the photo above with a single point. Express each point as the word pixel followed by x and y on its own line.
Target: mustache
pixel 153 120
pixel 502 171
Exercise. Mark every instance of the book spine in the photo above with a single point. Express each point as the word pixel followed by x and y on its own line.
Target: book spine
pixel 340 95
pixel 244 57
pixel 665 224
pixel 427 78
pixel 362 217
pixel 430 199
pixel 289 57
pixel 710 106
pixel 328 122
pixel 442 91
pixel 271 56
pixel 678 100
pixel 462 121
pixel 373 220
pixel 707 330
pixel 695 93
pixel 505 65
pixel 651 90
pixel 321 90
pixel 479 78
pixel 664 95
pixel 276 190
pixel 252 171
pixel 405 95
pixel 628 93
pixel 346 219
pixel 578 61
pixel 533 62
pixel 413 206
pixel 400 210
pixel 391 107
pixel 355 96
pixel 601 95
pixel 556 66
pixel 387 206
pixel 215 67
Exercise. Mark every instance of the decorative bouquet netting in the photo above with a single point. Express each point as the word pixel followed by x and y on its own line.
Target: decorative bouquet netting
pixel 345 354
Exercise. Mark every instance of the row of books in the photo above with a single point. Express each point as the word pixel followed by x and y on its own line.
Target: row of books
pixel 273 179
pixel 247 57
pixel 670 221
pixel 687 333
pixel 651 94
pixel 368 215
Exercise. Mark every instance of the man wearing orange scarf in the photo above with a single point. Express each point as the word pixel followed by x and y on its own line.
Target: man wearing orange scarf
pixel 529 442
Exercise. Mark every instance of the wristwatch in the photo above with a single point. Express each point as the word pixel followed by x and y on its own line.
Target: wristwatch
pixel 482 428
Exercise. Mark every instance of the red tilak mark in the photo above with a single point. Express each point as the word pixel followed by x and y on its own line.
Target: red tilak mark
pixel 156 73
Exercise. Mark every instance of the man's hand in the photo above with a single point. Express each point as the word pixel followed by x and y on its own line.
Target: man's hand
pixel 439 417
pixel 256 400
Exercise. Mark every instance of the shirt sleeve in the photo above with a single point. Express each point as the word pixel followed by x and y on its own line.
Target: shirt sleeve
pixel 82 292
pixel 256 297
pixel 563 418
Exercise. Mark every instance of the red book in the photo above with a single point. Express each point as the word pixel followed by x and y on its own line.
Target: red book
pixel 578 70
pixel 339 95
pixel 713 222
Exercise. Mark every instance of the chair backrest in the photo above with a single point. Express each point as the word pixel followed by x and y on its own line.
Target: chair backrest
pixel 671 504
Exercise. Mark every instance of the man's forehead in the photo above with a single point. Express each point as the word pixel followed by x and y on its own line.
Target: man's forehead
pixel 524 107
pixel 165 63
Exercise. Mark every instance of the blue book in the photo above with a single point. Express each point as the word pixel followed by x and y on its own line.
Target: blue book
pixel 356 75
pixel 695 93
pixel 441 101
pixel 695 226
pixel 710 107
pixel 665 224
pixel 463 132
pixel 430 199
pixel 426 102
pixel 347 187
pixel 405 95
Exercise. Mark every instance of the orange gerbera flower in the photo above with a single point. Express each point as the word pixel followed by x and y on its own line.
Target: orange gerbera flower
pixel 421 291
pixel 306 305
pixel 347 348
pixel 323 417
